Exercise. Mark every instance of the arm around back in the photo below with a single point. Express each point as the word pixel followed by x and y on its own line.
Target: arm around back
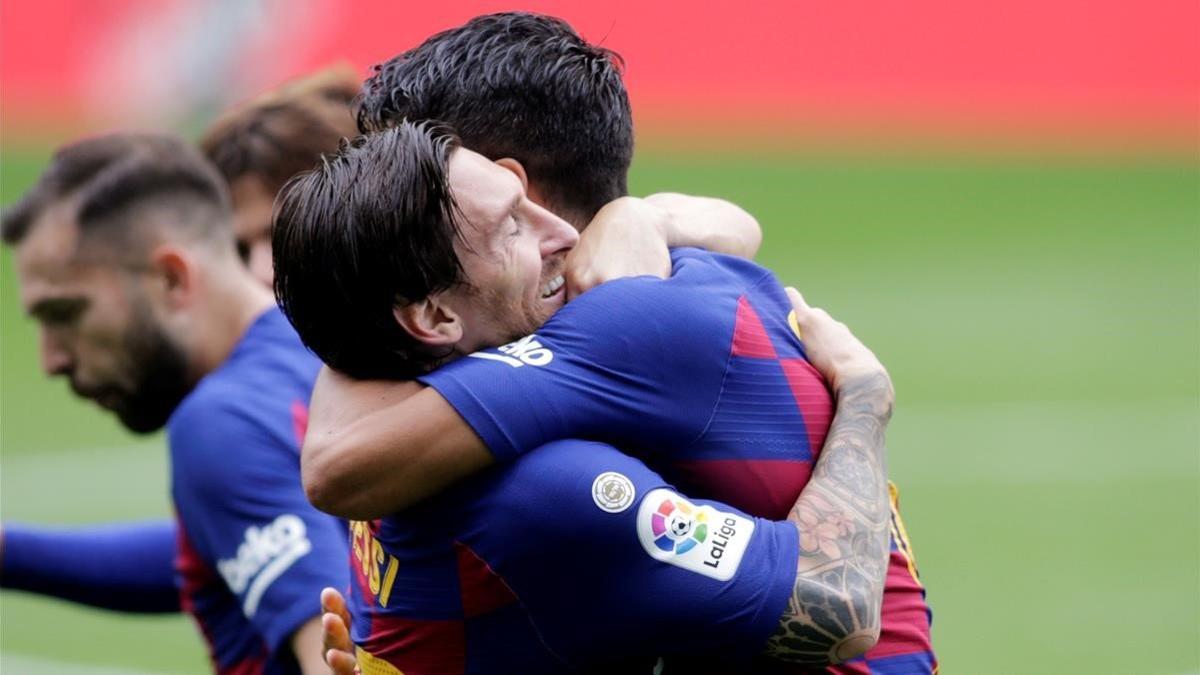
pixel 843 513
pixel 360 431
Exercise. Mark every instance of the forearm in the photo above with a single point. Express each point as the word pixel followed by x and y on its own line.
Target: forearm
pixel 842 517
pixel 126 567
pixel 376 448
pixel 708 223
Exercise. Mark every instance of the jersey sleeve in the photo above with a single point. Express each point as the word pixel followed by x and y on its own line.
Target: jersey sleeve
pixel 127 567
pixel 662 573
pixel 634 361
pixel 241 503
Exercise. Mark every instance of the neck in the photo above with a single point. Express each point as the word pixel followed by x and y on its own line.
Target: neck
pixel 234 301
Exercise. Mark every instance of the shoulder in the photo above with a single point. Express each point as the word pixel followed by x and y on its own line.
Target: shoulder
pixel 226 433
pixel 214 408
pixel 697 266
pixel 270 353
pixel 253 398
pixel 206 428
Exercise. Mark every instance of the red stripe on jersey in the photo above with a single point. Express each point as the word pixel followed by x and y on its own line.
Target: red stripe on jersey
pixel 194 575
pixel 813 398
pixel 419 647
pixel 299 421
pixel 482 590
pixel 905 613
pixel 248 666
pixel 764 487
pixel 749 337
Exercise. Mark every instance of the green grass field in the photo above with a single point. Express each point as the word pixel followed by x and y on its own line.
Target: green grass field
pixel 1041 319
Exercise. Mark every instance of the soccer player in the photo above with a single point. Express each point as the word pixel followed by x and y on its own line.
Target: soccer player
pixel 409 193
pixel 502 61
pixel 258 146
pixel 125 255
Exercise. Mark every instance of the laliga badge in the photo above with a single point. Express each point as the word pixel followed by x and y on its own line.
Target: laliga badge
pixel 612 492
pixel 699 539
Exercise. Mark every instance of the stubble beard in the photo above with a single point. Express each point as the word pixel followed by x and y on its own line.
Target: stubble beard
pixel 161 380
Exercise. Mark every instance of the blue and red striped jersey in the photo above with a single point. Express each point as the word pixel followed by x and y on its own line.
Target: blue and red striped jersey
pixel 702 376
pixel 253 554
pixel 573 558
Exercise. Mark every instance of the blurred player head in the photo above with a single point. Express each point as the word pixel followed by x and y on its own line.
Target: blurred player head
pixel 120 247
pixel 260 145
pixel 521 86
pixel 406 250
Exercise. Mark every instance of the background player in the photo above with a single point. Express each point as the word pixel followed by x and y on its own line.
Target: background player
pixel 124 250
pixel 256 147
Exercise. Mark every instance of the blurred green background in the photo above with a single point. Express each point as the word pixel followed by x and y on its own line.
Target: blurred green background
pixel 1040 317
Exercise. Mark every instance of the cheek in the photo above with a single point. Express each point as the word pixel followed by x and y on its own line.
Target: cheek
pixel 530 264
pixel 98 351
pixel 104 344
pixel 260 262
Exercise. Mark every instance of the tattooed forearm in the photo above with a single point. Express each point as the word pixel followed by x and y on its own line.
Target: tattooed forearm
pixel 842 515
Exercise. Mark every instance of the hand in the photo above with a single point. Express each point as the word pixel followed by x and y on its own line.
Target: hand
pixel 832 348
pixel 626 238
pixel 335 634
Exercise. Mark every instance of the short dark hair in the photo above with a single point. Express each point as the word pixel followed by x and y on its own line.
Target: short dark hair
pixel 285 131
pixel 524 86
pixel 370 228
pixel 111 174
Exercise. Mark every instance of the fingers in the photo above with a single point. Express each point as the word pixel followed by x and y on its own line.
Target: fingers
pixel 799 310
pixel 798 302
pixel 334 633
pixel 829 345
pixel 341 663
pixel 333 603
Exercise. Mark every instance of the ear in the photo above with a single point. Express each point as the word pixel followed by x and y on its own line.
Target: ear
pixel 178 273
pixel 515 167
pixel 430 321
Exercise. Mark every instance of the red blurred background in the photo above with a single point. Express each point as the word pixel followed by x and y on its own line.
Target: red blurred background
pixel 1089 72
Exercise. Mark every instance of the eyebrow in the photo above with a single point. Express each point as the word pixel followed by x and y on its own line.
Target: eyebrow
pixel 47 308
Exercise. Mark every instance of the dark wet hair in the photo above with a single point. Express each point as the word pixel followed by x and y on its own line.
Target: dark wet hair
pixel 524 86
pixel 371 228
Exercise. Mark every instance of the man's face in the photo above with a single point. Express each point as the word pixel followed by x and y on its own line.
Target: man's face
pixel 252 203
pixel 97 325
pixel 513 255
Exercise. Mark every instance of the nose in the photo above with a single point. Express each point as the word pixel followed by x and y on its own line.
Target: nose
pixel 557 235
pixel 56 358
